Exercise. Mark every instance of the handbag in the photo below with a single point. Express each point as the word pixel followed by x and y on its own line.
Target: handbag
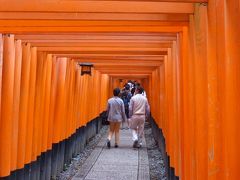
pixel 105 119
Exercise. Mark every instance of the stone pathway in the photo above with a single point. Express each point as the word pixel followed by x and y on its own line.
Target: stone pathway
pixel 122 163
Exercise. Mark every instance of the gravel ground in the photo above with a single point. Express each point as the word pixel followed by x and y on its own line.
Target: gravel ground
pixel 76 163
pixel 156 163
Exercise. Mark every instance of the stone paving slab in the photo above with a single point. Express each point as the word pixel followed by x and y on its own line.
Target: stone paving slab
pixel 123 163
pixel 113 175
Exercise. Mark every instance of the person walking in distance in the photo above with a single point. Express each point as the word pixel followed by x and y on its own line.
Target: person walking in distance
pixel 126 96
pixel 138 111
pixel 116 114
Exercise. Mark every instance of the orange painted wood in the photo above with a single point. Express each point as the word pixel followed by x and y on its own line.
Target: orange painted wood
pixel 185 126
pixel 73 97
pixel 115 29
pixel 67 113
pixel 61 65
pixel 99 37
pixel 86 82
pixel 90 99
pixel 99 6
pixel 176 109
pixel 162 95
pixel 23 112
pixel 108 65
pixel 201 88
pixel 128 61
pixel 171 128
pixel 191 133
pixel 71 130
pixel 81 115
pixel 169 106
pixel 104 90
pixel 99 44
pixel 1 62
pixel 72 23
pixel 16 102
pixel 52 103
pixel 230 82
pixel 1 59
pixel 63 107
pixel 121 58
pixel 47 89
pixel 30 116
pixel 78 97
pixel 73 126
pixel 189 69
pixel 42 120
pixel 127 50
pixel 95 16
pixel 97 89
pixel 7 104
pixel 215 162
pixel 82 104
pixel 70 110
pixel 131 76
pixel 37 110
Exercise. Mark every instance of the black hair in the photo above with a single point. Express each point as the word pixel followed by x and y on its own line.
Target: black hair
pixel 127 87
pixel 138 84
pixel 116 91
pixel 139 89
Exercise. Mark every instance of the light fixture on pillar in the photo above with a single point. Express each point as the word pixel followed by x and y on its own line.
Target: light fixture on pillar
pixel 86 68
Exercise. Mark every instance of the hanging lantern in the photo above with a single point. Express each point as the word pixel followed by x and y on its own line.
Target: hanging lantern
pixel 86 68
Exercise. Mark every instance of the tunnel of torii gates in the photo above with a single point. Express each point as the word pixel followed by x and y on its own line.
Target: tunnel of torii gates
pixel 185 53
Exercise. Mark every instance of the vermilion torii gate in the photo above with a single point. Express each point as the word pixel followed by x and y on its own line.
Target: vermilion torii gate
pixel 185 53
